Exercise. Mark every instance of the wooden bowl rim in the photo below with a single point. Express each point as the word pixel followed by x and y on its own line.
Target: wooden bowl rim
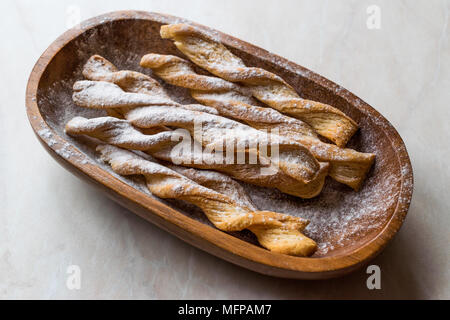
pixel 229 243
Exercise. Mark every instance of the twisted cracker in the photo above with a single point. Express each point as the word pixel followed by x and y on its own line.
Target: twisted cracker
pixel 162 146
pixel 346 165
pixel 210 54
pixel 276 232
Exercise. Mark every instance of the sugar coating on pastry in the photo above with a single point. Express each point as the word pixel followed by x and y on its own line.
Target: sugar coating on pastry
pixel 346 166
pixel 208 53
pixel 143 106
pixel 163 146
pixel 277 232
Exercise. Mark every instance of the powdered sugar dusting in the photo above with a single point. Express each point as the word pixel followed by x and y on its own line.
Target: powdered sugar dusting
pixel 339 216
pixel 47 134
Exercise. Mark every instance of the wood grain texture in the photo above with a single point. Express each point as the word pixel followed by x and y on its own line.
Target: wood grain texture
pixel 61 58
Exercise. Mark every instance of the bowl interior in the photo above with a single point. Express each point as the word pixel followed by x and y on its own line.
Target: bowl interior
pixel 341 219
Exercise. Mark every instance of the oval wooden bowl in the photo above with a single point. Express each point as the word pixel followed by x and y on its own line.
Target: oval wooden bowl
pixel 373 215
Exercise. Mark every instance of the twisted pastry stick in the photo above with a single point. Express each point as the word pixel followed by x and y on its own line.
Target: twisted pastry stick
pixel 218 182
pixel 346 165
pixel 276 232
pixel 210 54
pixel 107 95
pixel 162 146
pixel 98 68
pixel 120 133
pixel 294 159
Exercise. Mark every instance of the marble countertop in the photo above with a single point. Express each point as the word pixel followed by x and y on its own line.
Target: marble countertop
pixel 50 220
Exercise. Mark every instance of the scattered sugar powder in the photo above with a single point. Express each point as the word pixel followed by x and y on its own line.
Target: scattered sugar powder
pixel 65 152
pixel 47 134
pixel 338 216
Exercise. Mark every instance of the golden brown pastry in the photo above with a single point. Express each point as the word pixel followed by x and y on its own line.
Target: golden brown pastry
pixel 276 232
pixel 147 111
pixel 218 182
pixel 163 146
pixel 346 166
pixel 208 53
pixel 98 68
pixel 107 95
pixel 213 132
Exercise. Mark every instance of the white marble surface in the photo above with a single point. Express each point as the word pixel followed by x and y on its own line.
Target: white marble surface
pixel 50 220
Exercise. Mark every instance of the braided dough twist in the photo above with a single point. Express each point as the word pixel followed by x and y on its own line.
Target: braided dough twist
pixel 163 146
pixel 146 91
pixel 346 166
pixel 276 232
pixel 99 69
pixel 208 53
